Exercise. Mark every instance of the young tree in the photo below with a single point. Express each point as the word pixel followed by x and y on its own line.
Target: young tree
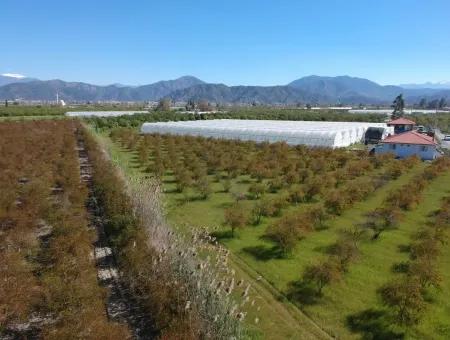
pixel 405 299
pixel 226 185
pixel 157 168
pixel 317 215
pixel 257 213
pixel 335 202
pixel 399 106
pixel 164 105
pixel 275 184
pixel 184 179
pixel 256 190
pixel 424 270
pixel 313 186
pixel 286 233
pixel 235 217
pixel 143 154
pixel 203 187
pixel 382 219
pixel 322 274
pixel 346 251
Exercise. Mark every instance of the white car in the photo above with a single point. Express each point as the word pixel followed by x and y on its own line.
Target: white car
pixel 447 138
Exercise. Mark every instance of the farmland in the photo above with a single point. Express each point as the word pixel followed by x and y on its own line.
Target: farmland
pixel 82 254
pixel 266 241
pixel 331 232
pixel 49 282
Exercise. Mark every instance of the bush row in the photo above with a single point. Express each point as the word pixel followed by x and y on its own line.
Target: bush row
pixel 176 287
pixel 47 272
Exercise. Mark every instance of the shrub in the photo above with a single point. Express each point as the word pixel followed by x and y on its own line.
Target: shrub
pixel 226 185
pixel 275 184
pixel 335 202
pixel 256 190
pixel 405 299
pixel 425 272
pixel 288 230
pixel 203 187
pixel 235 217
pixel 345 250
pixel 296 194
pixel 313 186
pixel 322 274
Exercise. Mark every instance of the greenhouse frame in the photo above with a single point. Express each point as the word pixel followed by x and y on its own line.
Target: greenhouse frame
pixel 320 134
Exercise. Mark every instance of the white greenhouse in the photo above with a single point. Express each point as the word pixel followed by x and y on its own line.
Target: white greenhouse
pixel 326 134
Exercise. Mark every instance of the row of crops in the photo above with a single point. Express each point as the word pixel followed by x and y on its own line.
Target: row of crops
pixel 272 205
pixel 48 286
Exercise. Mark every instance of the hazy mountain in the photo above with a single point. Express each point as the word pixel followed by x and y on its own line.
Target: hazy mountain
pixel 10 78
pixel 220 93
pixel 76 91
pixel 163 88
pixel 312 89
pixel 428 85
pixel 347 89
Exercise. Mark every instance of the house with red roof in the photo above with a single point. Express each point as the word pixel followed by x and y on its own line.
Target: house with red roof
pixel 402 125
pixel 409 144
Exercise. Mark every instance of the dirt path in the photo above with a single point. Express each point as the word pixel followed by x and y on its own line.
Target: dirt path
pixel 120 307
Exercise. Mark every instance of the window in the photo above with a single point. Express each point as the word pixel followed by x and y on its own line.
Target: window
pixel 424 148
pixel 393 146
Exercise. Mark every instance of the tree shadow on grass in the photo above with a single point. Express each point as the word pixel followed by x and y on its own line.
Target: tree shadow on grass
pixel 303 292
pixel 264 253
pixel 224 205
pixel 169 181
pixel 172 191
pixel 373 324
pixel 404 248
pixel 134 161
pixel 401 267
pixel 324 249
pixel 222 235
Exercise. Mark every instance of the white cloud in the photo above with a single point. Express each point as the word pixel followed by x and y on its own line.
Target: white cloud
pixel 13 75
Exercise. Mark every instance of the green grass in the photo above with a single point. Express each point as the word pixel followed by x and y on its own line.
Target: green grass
pixel 254 255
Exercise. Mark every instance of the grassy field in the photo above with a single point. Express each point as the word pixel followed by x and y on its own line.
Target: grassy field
pixel 344 309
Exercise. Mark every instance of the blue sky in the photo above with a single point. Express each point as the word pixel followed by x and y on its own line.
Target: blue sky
pixel 232 42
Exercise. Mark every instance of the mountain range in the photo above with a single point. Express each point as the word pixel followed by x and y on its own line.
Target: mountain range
pixel 311 89
pixel 10 78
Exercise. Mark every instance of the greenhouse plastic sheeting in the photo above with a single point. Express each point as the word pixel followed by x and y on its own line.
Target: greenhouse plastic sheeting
pixel 324 134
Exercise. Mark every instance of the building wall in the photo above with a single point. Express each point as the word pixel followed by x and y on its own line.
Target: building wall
pixel 402 128
pixel 425 152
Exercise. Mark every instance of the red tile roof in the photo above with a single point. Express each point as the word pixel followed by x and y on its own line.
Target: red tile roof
pixel 401 121
pixel 410 137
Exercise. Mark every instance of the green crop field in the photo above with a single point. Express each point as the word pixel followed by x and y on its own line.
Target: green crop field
pixel 350 306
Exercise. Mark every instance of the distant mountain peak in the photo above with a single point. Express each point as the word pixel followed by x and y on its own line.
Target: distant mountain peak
pixel 189 77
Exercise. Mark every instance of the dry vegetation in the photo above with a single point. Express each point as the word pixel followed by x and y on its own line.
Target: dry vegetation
pixel 186 291
pixel 49 285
